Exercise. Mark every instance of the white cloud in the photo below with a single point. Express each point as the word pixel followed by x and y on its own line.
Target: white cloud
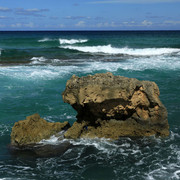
pixel 107 24
pixel 30 12
pixel 130 24
pixel 123 24
pixel 61 25
pixel 3 17
pixel 146 23
pixel 30 25
pixel 133 1
pixel 77 17
pixel 23 25
pixel 80 24
pixel 4 9
pixel 17 25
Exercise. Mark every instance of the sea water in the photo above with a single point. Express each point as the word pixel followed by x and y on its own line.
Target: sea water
pixel 34 68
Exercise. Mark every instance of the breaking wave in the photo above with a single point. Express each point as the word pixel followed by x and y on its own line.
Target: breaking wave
pixel 38 59
pixel 52 71
pixel 108 49
pixel 43 60
pixel 72 41
pixel 45 40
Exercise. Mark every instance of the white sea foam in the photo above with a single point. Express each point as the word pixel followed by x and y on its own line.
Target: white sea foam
pixel 53 139
pixel 37 72
pixel 43 60
pixel 5 129
pixel 177 174
pixel 108 49
pixel 102 144
pixel 50 72
pixel 138 64
pixel 45 40
pixel 38 59
pixel 72 41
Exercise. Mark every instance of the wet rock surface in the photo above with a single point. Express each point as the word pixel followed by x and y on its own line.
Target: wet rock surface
pixel 40 150
pixel 112 106
pixel 34 129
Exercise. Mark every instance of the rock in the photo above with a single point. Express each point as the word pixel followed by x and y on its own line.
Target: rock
pixel 40 150
pixel 33 130
pixel 52 150
pixel 76 130
pixel 112 106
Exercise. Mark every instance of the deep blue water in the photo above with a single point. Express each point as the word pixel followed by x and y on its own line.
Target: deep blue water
pixel 34 68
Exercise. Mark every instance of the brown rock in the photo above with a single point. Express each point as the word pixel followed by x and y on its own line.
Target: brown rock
pixel 114 106
pixel 33 130
pixel 75 131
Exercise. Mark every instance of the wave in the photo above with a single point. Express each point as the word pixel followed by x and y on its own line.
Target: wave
pixel 72 41
pixel 64 41
pixel 50 72
pixel 43 60
pixel 38 59
pixel 108 49
pixel 45 40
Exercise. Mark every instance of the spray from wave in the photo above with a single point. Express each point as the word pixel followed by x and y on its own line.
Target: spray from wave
pixel 72 41
pixel 108 49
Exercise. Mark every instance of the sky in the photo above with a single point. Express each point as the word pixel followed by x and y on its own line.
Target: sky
pixel 89 15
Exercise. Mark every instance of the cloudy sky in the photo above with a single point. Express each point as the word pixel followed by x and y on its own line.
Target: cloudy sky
pixel 89 15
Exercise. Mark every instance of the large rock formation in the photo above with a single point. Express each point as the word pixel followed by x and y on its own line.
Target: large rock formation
pixel 111 106
pixel 33 130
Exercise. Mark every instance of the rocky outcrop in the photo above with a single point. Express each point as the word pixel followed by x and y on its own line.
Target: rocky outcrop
pixel 112 106
pixel 33 130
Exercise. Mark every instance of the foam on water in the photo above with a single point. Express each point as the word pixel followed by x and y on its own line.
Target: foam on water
pixel 147 158
pixel 46 39
pixel 43 60
pixel 36 72
pixel 135 159
pixel 37 60
pixel 108 49
pixel 101 144
pixel 54 140
pixel 53 71
pixel 137 64
pixel 72 41
pixel 5 129
pixel 145 154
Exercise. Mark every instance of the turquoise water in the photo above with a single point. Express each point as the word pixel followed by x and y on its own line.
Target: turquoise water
pixel 34 68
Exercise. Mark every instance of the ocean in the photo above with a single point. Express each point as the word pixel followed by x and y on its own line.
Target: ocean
pixel 34 68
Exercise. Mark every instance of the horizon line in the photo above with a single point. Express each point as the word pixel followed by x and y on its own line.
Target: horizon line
pixel 80 30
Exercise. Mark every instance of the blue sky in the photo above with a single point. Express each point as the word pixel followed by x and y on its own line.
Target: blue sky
pixel 89 15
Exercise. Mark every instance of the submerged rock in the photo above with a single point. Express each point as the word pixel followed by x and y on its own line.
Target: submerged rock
pixel 41 150
pixel 33 130
pixel 112 106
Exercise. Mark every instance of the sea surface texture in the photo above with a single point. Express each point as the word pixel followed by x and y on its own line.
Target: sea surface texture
pixel 34 68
